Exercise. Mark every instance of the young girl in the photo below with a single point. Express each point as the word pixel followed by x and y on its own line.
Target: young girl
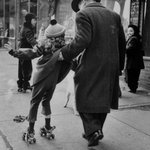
pixel 27 40
pixel 49 72
pixel 134 57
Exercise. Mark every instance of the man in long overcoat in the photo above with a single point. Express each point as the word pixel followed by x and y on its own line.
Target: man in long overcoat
pixel 100 40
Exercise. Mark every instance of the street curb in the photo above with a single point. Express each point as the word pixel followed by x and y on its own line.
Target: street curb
pixel 4 144
pixel 130 106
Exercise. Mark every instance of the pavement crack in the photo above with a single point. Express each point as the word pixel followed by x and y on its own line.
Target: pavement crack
pixel 9 147
pixel 130 126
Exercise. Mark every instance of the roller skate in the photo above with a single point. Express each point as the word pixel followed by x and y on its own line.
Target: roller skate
pixel 47 133
pixel 20 89
pixel 20 118
pixel 25 88
pixel 28 137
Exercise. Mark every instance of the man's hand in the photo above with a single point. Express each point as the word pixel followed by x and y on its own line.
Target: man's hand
pixel 60 58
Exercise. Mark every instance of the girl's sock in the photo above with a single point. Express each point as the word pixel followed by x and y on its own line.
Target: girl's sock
pixel 47 123
pixel 31 126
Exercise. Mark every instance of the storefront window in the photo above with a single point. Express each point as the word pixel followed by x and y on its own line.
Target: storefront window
pixel 11 18
pixel 33 6
pixel 134 12
pixel 126 15
pixel 23 11
pixel 1 18
pixel 117 7
pixel 122 8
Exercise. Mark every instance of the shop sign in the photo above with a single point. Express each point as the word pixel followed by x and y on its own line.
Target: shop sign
pixel 134 12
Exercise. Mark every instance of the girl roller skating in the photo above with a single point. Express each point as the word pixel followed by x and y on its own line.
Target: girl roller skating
pixel 49 72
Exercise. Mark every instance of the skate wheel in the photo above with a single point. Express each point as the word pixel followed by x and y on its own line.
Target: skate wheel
pixel 23 136
pixel 43 134
pixel 34 140
pixel 52 136
pixel 49 138
pixel 19 90
pixel 23 91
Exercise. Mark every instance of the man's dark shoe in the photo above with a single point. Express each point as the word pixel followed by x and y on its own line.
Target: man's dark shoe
pixel 132 91
pixel 84 136
pixel 94 138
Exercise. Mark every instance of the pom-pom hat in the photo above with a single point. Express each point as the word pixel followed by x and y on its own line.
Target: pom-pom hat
pixel 54 29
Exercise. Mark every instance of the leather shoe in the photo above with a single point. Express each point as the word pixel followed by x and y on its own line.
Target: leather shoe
pixel 84 136
pixel 132 91
pixel 94 138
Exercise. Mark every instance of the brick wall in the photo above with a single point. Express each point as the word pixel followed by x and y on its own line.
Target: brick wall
pixel 145 74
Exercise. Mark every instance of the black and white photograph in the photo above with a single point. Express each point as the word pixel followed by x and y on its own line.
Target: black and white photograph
pixel 74 74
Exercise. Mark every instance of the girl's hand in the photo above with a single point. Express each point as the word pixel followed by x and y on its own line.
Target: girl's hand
pixel 8 46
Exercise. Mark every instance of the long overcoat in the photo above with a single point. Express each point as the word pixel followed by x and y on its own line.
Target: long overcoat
pixel 134 53
pixel 100 38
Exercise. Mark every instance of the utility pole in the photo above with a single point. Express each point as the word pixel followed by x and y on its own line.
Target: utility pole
pixel 29 6
pixel 17 10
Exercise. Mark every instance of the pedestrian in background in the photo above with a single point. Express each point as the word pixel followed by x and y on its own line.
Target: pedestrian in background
pixel 134 55
pixel 41 35
pixel 100 40
pixel 27 40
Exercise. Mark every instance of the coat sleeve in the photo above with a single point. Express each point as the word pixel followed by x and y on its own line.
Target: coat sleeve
pixel 30 37
pixel 131 46
pixel 122 46
pixel 27 53
pixel 24 53
pixel 82 38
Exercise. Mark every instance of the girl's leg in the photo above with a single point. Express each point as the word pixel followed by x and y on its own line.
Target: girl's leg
pixel 50 84
pixel 46 108
pixel 37 94
pixel 48 122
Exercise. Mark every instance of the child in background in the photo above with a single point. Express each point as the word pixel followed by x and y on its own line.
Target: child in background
pixel 49 73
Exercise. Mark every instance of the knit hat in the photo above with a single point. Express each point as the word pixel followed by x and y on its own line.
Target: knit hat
pixel 29 17
pixel 54 29
pixel 75 4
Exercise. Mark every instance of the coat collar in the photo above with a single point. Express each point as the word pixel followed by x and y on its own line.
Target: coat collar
pixel 94 4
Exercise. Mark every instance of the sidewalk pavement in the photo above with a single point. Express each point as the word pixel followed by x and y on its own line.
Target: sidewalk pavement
pixel 125 129
pixel 130 100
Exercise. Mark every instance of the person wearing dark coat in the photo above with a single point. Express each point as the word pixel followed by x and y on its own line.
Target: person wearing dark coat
pixel 27 40
pixel 100 40
pixel 134 55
